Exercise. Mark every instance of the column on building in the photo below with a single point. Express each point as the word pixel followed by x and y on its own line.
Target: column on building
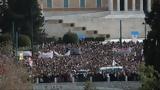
pixel 149 5
pixel 118 5
pixel 126 5
pixel 133 5
pixel 141 5
pixel 110 5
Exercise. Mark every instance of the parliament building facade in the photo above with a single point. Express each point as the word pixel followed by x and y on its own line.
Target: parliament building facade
pixel 91 18
pixel 108 5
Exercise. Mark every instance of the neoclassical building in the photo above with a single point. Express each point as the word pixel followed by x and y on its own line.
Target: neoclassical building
pixel 91 18
pixel 108 5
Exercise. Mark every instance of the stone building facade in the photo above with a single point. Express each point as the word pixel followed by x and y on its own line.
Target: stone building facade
pixel 85 17
pixel 108 5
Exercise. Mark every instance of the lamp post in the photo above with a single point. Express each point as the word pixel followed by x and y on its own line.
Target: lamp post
pixel 120 39
pixel 16 46
pixel 145 30
pixel 17 36
pixel 13 35
pixel 31 18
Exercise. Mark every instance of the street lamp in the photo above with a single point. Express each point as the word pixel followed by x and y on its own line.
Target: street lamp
pixel 31 18
pixel 145 30
pixel 17 46
pixel 120 33
pixel 17 36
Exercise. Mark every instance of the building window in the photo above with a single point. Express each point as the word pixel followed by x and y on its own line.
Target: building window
pixel 49 3
pixel 98 3
pixel 82 3
pixel 66 3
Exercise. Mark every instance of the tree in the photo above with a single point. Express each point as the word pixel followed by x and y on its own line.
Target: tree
pixel 108 36
pixel 6 48
pixel 148 78
pixel 152 43
pixel 5 37
pixel 26 16
pixel 14 76
pixel 99 38
pixel 70 37
pixel 3 8
pixel 24 41
pixel 151 75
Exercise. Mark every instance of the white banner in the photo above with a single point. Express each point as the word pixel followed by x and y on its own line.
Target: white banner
pixel 25 53
pixel 45 55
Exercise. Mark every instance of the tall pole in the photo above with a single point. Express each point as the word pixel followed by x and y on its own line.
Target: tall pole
pixel 145 28
pixel 120 39
pixel 31 26
pixel 16 46
pixel 13 33
pixel 13 37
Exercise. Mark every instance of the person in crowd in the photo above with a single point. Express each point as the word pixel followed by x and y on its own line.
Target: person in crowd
pixel 94 55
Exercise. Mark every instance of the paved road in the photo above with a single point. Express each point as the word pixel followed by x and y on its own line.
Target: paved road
pixel 80 86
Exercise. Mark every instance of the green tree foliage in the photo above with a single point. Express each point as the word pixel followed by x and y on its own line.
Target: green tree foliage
pixel 14 76
pixel 152 43
pixel 90 39
pixel 24 41
pixel 107 36
pixel 149 78
pixel 5 37
pixel 3 8
pixel 99 38
pixel 6 48
pixel 70 37
pixel 26 16
pixel 150 75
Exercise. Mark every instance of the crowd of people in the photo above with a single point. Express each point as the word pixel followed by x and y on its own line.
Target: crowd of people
pixel 93 55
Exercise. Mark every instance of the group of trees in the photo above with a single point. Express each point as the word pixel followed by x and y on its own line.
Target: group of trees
pixel 71 37
pixel 13 76
pixel 152 43
pixel 22 16
pixel 151 74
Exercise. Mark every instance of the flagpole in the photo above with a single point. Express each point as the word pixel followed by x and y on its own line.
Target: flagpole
pixel 121 33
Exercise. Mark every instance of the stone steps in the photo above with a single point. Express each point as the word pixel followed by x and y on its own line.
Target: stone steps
pixel 55 21
pixel 68 24
pixel 79 28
